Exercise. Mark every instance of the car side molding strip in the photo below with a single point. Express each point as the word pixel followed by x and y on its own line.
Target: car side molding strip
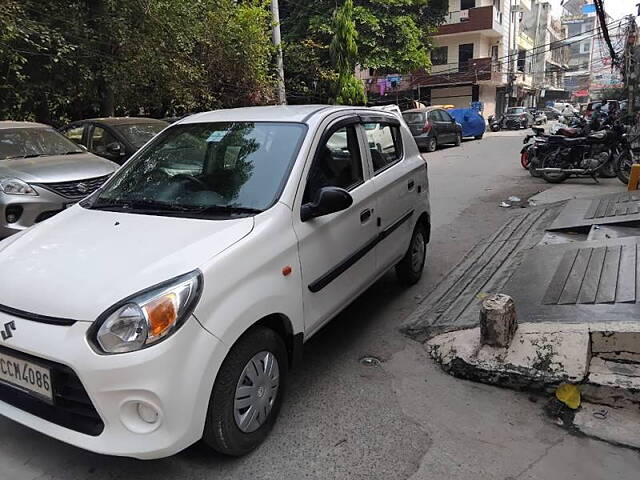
pixel 348 262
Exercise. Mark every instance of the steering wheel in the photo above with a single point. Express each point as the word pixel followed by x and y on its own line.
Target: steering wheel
pixel 192 179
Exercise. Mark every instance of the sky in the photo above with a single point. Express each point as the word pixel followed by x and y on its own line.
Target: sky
pixel 615 8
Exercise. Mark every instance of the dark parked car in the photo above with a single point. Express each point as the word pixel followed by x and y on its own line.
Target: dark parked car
pixel 518 117
pixel 432 127
pixel 114 138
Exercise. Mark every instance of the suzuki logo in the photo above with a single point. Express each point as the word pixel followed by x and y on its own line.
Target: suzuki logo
pixel 7 333
pixel 82 187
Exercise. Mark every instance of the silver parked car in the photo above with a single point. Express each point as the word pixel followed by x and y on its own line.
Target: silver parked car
pixel 42 173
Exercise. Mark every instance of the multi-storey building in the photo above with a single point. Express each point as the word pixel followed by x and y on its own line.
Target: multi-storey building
pixel 482 53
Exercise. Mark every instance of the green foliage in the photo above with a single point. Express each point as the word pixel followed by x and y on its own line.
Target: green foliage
pixel 393 36
pixel 344 51
pixel 152 57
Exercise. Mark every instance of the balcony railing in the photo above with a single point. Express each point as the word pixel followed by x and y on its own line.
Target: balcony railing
pixel 475 70
pixel 479 18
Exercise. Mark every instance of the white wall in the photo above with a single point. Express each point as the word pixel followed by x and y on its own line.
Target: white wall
pixel 481 48
pixel 488 97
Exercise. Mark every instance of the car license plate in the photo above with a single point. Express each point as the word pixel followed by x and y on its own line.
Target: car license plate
pixel 26 376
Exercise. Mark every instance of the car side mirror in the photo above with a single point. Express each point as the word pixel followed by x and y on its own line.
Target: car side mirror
pixel 330 200
pixel 115 148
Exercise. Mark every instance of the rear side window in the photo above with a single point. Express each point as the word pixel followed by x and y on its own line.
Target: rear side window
pixel 445 116
pixel 385 144
pixel 435 116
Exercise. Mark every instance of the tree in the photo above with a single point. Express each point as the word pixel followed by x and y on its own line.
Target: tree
pixel 151 57
pixel 394 36
pixel 344 51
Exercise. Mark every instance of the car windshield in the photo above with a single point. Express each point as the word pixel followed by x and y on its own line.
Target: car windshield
pixel 140 133
pixel 515 110
pixel 34 142
pixel 206 169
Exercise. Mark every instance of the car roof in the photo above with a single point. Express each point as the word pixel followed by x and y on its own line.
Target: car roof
pixel 12 124
pixel 422 110
pixel 121 120
pixel 271 113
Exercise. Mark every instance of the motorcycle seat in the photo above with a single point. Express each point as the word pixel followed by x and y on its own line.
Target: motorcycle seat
pixel 568 132
pixel 565 140
pixel 598 136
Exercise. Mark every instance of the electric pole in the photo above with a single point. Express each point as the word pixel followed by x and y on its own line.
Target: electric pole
pixel 275 12
pixel 509 71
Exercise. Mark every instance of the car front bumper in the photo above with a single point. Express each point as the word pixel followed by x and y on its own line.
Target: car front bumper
pixel 34 209
pixel 174 377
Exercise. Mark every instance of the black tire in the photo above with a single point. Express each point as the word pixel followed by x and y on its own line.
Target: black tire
pixel 458 139
pixel 494 128
pixel 551 177
pixel 479 137
pixel 623 164
pixel 221 431
pixel 432 144
pixel 533 167
pixel 408 271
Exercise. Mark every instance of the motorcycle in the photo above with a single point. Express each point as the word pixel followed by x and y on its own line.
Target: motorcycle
pixel 625 156
pixel 581 156
pixel 534 151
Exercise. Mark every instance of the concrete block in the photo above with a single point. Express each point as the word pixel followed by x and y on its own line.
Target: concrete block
pixel 614 425
pixel 611 341
pixel 498 320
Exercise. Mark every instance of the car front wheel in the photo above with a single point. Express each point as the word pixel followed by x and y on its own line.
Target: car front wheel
pixel 458 140
pixel 247 393
pixel 409 270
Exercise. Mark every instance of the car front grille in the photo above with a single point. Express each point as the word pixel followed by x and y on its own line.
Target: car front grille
pixel 76 188
pixel 72 408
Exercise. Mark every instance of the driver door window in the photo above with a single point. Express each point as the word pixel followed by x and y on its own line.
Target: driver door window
pixel 100 138
pixel 337 164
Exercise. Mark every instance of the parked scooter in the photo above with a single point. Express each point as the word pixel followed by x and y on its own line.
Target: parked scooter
pixel 495 124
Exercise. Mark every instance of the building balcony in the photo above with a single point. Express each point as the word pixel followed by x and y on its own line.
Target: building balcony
pixel 477 70
pixel 489 20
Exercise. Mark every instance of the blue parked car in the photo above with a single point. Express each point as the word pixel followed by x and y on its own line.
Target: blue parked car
pixel 473 125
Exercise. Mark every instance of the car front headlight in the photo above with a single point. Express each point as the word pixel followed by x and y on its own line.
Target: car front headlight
pixel 148 317
pixel 15 186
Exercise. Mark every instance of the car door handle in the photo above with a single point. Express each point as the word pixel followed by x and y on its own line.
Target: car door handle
pixel 365 215
pixel 410 185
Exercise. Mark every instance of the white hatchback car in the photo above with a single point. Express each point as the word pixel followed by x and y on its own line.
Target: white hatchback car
pixel 169 306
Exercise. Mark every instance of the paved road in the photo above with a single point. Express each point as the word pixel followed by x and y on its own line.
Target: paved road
pixel 404 419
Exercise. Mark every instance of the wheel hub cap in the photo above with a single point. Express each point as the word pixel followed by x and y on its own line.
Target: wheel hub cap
pixel 417 253
pixel 256 391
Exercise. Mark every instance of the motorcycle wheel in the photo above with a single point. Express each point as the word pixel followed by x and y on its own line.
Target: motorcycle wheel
pixel 533 166
pixel 552 177
pixel 494 128
pixel 623 164
pixel 525 160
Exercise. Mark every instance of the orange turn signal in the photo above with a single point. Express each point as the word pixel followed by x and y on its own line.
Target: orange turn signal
pixel 286 270
pixel 161 314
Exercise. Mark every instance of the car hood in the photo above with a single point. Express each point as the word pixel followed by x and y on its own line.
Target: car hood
pixel 80 262
pixel 57 168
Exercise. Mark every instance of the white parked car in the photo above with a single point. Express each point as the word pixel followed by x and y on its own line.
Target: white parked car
pixel 169 306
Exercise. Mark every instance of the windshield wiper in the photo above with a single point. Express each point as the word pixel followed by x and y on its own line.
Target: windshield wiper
pixel 159 207
pixel 73 152
pixel 33 155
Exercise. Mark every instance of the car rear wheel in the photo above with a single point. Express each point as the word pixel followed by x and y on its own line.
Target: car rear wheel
pixel 409 269
pixel 432 144
pixel 247 393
